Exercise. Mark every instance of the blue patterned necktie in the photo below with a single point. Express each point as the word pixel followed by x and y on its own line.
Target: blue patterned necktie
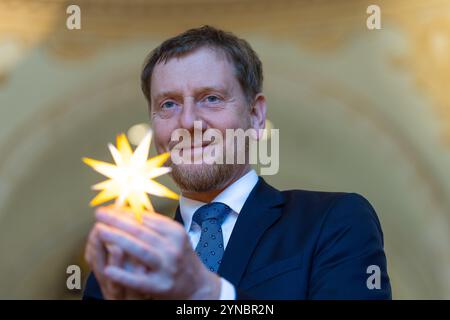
pixel 210 247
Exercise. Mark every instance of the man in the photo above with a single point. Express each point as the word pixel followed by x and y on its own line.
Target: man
pixel 234 236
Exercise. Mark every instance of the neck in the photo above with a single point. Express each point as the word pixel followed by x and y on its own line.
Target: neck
pixel 209 195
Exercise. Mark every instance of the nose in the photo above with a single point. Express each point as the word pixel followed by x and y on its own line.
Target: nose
pixel 189 117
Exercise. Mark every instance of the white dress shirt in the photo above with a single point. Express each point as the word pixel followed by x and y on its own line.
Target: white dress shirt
pixel 233 196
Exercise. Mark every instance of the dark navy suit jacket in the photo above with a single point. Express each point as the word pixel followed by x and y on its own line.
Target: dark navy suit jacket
pixel 301 244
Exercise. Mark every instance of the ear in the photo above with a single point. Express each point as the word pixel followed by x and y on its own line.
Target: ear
pixel 258 114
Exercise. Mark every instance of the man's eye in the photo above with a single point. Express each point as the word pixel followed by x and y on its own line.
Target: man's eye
pixel 168 105
pixel 212 99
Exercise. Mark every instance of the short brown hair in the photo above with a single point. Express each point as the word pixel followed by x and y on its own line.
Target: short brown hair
pixel 248 67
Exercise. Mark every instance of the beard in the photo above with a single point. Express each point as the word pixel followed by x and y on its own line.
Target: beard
pixel 206 177
pixel 202 177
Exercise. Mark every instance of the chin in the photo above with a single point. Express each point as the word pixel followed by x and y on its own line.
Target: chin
pixel 202 177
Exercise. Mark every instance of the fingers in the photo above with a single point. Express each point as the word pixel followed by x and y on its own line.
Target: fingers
pixel 158 223
pixel 115 258
pixel 145 283
pixel 113 291
pixel 137 251
pixel 130 245
pixel 96 252
pixel 116 255
pixel 96 256
pixel 131 265
pixel 129 225
pixel 161 224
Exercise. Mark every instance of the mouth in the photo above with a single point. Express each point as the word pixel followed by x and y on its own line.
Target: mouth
pixel 193 154
pixel 202 146
pixel 191 151
pixel 178 147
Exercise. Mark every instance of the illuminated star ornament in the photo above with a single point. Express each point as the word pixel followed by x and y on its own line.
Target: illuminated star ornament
pixel 131 177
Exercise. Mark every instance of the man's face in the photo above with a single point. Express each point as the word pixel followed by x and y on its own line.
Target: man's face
pixel 200 86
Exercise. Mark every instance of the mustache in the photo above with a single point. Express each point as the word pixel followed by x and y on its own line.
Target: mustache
pixel 178 145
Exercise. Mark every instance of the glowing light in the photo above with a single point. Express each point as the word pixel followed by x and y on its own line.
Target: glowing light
pixel 137 132
pixel 131 178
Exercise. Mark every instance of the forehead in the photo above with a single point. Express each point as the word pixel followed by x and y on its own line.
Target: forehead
pixel 204 67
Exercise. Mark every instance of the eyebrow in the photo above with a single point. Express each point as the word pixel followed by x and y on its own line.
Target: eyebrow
pixel 170 93
pixel 165 94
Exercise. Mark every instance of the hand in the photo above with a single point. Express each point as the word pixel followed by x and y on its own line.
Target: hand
pixel 171 270
pixel 98 257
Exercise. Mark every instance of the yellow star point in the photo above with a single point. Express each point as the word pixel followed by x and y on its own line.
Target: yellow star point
pixel 131 177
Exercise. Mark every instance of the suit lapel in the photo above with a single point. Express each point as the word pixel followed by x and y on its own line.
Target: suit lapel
pixel 259 212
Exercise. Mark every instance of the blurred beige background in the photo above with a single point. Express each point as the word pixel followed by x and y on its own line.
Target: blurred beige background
pixel 358 110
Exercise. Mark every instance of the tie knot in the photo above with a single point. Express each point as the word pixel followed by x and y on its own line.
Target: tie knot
pixel 214 212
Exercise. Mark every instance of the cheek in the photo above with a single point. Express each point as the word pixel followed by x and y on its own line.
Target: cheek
pixel 233 117
pixel 231 121
pixel 161 136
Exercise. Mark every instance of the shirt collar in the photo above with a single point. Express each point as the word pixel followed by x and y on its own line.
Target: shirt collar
pixel 233 196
